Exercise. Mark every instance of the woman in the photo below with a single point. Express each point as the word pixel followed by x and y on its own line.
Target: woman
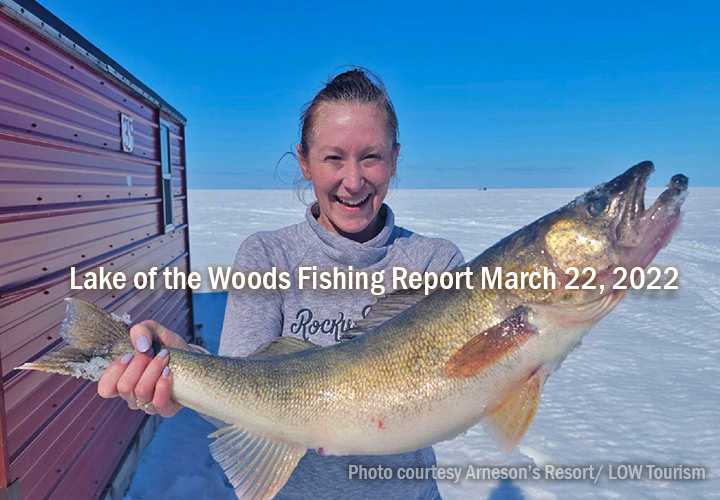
pixel 349 151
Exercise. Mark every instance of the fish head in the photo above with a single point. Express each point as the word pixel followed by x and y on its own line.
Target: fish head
pixel 605 229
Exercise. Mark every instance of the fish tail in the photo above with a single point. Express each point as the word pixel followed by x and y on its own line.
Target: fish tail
pixel 94 339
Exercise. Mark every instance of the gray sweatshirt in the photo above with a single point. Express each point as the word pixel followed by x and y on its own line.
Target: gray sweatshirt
pixel 252 317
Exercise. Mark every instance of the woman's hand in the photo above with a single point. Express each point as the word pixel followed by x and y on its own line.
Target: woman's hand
pixel 144 379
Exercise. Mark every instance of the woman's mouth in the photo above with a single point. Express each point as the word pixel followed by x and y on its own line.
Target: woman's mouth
pixel 352 203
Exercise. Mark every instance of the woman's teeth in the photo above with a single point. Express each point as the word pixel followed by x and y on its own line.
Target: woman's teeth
pixel 349 202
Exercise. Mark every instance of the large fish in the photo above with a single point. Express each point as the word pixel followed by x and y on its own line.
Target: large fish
pixel 428 368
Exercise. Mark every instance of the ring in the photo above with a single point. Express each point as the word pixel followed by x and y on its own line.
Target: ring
pixel 142 406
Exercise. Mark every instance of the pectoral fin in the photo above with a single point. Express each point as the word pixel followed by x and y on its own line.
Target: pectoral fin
pixel 257 467
pixel 489 346
pixel 508 422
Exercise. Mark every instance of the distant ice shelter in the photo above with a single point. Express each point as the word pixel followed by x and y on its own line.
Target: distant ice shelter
pixel 92 173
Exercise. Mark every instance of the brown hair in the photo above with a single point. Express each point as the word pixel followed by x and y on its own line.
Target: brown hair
pixel 347 87
pixel 351 86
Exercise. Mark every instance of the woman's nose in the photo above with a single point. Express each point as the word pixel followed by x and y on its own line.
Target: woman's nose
pixel 353 179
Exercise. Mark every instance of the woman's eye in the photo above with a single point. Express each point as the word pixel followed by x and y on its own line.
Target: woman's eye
pixel 372 157
pixel 332 158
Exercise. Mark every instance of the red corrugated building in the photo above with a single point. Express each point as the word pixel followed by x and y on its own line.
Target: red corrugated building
pixel 75 193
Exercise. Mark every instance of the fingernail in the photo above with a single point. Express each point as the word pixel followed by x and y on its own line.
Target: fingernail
pixel 126 359
pixel 142 344
pixel 166 372
pixel 149 353
pixel 162 354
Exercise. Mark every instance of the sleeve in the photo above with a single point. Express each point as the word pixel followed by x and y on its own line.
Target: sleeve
pixel 252 317
pixel 456 257
pixel 444 255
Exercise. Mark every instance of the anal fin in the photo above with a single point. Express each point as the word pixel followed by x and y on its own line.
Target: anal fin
pixel 508 421
pixel 257 467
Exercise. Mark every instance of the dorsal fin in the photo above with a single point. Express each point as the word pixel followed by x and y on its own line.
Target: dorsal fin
pixel 281 346
pixel 386 307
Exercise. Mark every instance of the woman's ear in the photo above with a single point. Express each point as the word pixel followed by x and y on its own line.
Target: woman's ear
pixel 396 153
pixel 303 163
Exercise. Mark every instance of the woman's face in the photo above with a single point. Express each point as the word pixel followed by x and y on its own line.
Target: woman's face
pixel 350 161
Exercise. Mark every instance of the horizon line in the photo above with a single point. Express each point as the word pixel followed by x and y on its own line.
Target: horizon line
pixel 438 189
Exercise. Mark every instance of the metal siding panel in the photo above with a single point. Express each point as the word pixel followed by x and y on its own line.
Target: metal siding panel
pixel 38 406
pixel 48 60
pixel 36 172
pixel 92 471
pixel 22 350
pixel 65 432
pixel 5 478
pixel 43 311
pixel 38 470
pixel 27 303
pixel 26 108
pixel 41 247
pixel 34 17
pixel 17 71
pixel 89 473
pixel 42 123
pixel 65 201
pixel 20 85
pixel 56 151
pixel 32 110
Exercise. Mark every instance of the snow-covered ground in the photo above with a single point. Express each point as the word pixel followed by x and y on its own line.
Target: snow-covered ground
pixel 643 389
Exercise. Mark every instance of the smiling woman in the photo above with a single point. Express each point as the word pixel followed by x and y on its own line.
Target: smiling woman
pixel 349 150
pixel 351 163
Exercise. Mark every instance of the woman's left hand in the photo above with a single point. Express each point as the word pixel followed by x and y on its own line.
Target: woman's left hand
pixel 145 380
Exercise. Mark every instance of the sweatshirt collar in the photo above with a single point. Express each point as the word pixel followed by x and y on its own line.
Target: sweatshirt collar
pixel 349 252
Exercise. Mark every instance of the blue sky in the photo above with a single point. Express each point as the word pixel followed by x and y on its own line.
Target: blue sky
pixel 487 94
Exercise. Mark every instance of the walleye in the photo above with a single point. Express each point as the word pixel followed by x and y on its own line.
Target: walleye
pixel 427 368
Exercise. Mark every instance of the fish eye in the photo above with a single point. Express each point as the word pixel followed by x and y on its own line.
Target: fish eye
pixel 597 206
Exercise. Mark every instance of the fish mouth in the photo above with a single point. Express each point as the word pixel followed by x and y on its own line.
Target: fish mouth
pixel 642 232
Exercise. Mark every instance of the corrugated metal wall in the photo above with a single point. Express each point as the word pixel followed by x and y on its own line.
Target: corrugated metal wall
pixel 69 197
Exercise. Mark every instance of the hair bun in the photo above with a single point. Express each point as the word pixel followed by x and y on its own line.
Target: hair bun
pixel 350 76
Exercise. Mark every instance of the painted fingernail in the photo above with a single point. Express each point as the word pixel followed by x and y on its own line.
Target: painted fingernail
pixel 150 353
pixel 126 359
pixel 162 354
pixel 166 372
pixel 142 344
